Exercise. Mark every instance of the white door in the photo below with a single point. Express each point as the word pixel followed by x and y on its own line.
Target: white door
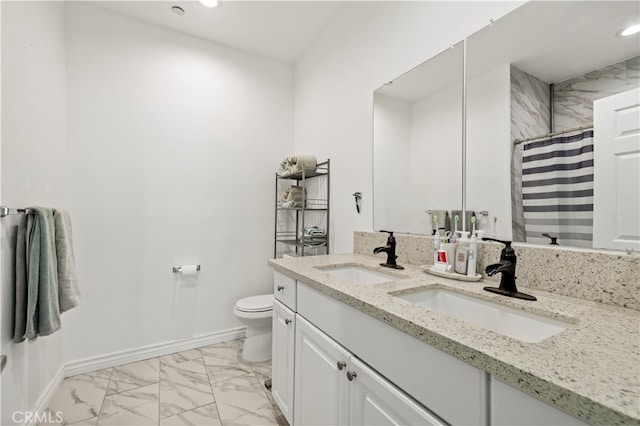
pixel 375 401
pixel 616 158
pixel 321 391
pixel 282 358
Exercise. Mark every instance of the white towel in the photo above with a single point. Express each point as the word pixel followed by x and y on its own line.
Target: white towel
pixel 68 291
pixel 293 196
pixel 296 164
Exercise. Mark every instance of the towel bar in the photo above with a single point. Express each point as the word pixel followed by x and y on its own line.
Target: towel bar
pixel 5 211
pixel 177 269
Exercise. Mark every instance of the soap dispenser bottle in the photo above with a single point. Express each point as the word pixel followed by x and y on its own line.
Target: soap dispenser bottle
pixel 436 246
pixel 462 253
pixel 473 256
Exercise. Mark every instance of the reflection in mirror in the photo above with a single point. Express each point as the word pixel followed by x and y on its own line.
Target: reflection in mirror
pixel 534 76
pixel 417 151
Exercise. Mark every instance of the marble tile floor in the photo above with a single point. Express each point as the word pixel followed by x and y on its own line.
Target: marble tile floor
pixel 211 385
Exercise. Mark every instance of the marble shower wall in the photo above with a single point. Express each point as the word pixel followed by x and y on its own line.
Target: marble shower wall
pixel 530 105
pixel 606 277
pixel 573 98
pixel 530 117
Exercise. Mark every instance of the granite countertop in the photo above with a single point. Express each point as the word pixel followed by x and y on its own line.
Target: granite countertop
pixel 590 370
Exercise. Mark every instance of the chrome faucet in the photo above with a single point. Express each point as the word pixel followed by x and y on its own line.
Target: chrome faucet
pixel 390 249
pixel 507 267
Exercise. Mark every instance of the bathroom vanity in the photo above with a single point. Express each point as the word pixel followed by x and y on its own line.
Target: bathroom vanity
pixel 351 349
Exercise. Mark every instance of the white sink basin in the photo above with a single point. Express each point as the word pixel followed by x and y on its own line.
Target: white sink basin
pixel 510 322
pixel 360 275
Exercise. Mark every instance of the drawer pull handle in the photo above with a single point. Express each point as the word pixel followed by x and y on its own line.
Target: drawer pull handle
pixel 341 365
pixel 287 321
pixel 351 375
pixel 280 287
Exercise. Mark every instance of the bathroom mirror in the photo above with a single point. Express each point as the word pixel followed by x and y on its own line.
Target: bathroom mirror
pixel 536 71
pixel 417 144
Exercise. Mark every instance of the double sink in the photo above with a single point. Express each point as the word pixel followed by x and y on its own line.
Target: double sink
pixel 518 324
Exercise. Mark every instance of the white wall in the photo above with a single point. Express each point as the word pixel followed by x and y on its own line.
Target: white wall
pixel 173 143
pixel 489 150
pixel 417 159
pixel 33 173
pixel 392 125
pixel 436 156
pixel 368 44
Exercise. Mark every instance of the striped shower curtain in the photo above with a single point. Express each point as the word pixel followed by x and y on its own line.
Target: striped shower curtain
pixel 557 189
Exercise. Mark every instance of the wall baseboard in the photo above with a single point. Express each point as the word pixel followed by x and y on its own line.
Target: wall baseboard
pixel 132 355
pixel 49 392
pixel 123 357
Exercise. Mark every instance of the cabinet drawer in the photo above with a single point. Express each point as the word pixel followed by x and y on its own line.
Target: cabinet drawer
pixel 284 290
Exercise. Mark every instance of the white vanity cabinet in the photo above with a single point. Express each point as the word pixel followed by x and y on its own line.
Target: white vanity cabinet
pixel 284 290
pixel 320 343
pixel 334 387
pixel 321 389
pixel 452 389
pixel 375 401
pixel 510 406
pixel 282 358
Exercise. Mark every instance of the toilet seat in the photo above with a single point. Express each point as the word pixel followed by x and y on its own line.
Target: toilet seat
pixel 255 304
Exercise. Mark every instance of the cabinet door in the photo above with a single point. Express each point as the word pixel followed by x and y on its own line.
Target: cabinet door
pixel 321 389
pixel 512 407
pixel 375 401
pixel 282 358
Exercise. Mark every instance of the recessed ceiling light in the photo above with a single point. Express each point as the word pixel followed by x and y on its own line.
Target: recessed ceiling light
pixel 210 3
pixel 177 10
pixel 631 30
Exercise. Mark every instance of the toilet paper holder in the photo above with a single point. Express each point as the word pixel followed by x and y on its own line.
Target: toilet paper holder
pixel 177 269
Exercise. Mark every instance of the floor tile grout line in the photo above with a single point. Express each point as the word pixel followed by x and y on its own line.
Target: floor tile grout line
pixel 104 397
pixel 211 387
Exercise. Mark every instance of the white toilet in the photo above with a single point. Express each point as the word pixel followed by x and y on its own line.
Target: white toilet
pixel 256 313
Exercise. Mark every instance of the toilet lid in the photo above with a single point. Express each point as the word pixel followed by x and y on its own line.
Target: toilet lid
pixel 261 303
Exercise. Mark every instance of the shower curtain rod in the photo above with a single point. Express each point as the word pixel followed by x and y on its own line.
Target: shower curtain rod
pixel 548 135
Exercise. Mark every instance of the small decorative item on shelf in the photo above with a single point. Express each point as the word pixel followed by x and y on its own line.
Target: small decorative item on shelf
pixel 314 236
pixel 296 164
pixel 292 197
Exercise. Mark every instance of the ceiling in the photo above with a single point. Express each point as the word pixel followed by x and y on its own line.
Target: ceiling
pixel 280 30
pixel 557 40
pixel 552 40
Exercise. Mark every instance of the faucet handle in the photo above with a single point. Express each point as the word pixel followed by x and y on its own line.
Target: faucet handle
pixel 506 243
pixel 507 253
pixel 388 232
